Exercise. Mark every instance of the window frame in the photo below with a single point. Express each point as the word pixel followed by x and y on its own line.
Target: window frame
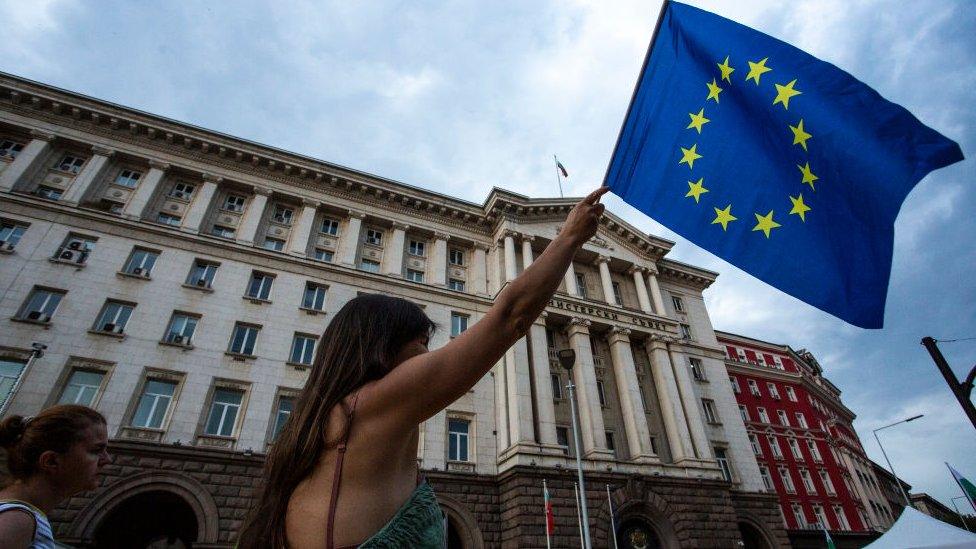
pixel 276 425
pixel 282 214
pixel 223 231
pixel 363 261
pixel 414 275
pixel 159 376
pixel 211 408
pixel 711 414
pixel 134 180
pixel 333 226
pixel 417 247
pixel 697 369
pixel 237 203
pixel 46 313
pixel 74 163
pixel 9 149
pixel 182 190
pixel 273 244
pixel 462 320
pixel 305 337
pixel 456 437
pixel 262 293
pixel 456 284
pixel 120 319
pixel 48 193
pixel 557 385
pixel 678 303
pixel 244 342
pixel 73 369
pixel 12 231
pixel 208 270
pixel 150 255
pixel 169 335
pixel 319 254
pixel 319 293
pixel 451 257
pixel 373 236
pixel 724 463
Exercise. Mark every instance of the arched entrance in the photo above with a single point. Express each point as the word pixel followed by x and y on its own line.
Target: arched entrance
pixel 636 533
pixel 154 519
pixel 752 537
pixel 462 528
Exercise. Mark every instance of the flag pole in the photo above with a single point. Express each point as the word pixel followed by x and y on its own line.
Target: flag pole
pixel 579 517
pixel 558 178
pixel 647 57
pixel 545 497
pixel 613 523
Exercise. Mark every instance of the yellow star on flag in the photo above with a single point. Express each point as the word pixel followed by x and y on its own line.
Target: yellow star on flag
pixel 723 217
pixel 688 156
pixel 765 223
pixel 800 135
pixel 757 69
pixel 726 69
pixel 784 93
pixel 698 120
pixel 808 176
pixel 713 90
pixel 799 208
pixel 696 189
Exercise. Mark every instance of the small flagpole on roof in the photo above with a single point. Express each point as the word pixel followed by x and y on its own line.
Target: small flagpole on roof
pixel 560 173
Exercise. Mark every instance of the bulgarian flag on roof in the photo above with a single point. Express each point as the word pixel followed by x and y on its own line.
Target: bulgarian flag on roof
pixel 967 486
pixel 830 540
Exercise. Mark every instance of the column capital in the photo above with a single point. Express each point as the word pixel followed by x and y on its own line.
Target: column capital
pixel 259 190
pixel 636 269
pixel 310 203
pixel 41 135
pixel 482 246
pixel 441 236
pixel 621 330
pixel 357 214
pixel 541 320
pixel 212 178
pixel 102 151
pixel 579 325
pixel 618 334
pixel 162 166
pixel 510 233
pixel 603 259
pixel 400 226
pixel 651 270
pixel 528 238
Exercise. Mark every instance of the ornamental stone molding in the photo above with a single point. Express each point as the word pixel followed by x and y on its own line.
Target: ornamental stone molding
pixel 156 164
pixel 102 151
pixel 42 135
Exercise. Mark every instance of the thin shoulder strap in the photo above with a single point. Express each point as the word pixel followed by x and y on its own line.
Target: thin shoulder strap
pixel 337 474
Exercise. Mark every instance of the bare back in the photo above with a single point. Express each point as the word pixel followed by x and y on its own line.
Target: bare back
pixel 379 473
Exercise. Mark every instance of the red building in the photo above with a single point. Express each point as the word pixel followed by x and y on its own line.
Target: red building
pixel 802 436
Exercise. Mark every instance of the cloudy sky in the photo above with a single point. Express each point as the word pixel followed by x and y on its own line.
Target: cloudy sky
pixel 459 97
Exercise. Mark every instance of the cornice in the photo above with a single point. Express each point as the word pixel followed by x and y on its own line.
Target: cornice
pixel 685 274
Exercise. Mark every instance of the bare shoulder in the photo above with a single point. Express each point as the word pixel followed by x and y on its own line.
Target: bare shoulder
pixel 17 528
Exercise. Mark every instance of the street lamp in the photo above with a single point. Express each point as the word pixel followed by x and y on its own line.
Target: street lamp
pixel 567 359
pixel 962 518
pixel 908 501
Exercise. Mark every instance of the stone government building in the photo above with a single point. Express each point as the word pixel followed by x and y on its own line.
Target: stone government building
pixel 181 277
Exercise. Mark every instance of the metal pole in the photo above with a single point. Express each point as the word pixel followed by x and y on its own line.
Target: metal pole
pixel 963 390
pixel 584 519
pixel 613 525
pixel 891 468
pixel 545 497
pixel 579 517
pixel 559 180
pixel 36 352
pixel 962 518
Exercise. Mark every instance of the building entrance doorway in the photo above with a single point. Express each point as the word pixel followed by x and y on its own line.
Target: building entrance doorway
pixel 150 520
pixel 636 533
pixel 752 538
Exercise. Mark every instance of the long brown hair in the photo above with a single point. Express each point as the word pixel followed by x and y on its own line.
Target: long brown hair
pixel 57 428
pixel 359 345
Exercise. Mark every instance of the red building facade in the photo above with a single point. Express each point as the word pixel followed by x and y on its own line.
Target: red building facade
pixel 799 431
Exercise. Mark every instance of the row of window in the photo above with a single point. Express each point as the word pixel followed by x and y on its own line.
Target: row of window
pixel 756 358
pixel 840 517
pixel 794 446
pixel 784 420
pixel 770 386
pixel 790 488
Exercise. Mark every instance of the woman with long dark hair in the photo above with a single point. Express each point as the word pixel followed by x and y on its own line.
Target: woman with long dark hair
pixel 343 472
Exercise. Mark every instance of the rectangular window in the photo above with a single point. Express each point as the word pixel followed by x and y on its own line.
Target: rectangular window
pixel 260 285
pixel 801 420
pixel 601 392
pixel 801 520
pixel 234 203
pixel 48 193
pixel 784 474
pixel 455 284
pixel 696 369
pixel 735 384
pixel 774 446
pixel 841 517
pixel 224 408
pixel 283 214
pixel 329 226
pixel 814 451
pixel 302 349
pixel 222 231
pixel 754 388
pixel 617 296
pixel 807 481
pixel 794 448
pixel 709 406
pixel 744 412
pixel 763 416
pixel 369 265
pixel 754 441
pixel 314 297
pixel 679 304
pixel 685 331
pixel 773 391
pixel 767 479
pixel 611 443
pixel 417 247
pixel 784 420
pixel 723 464
pixel 140 262
pixel 323 255
pixel 202 274
pixel 581 285
pixel 75 249
pixel 70 163
pixel 181 328
pixel 10 149
pixel 40 305
pixel 82 387
pixel 273 244
pixel 171 220
pixel 456 257
pixel 128 178
pixel 791 394
pixel 10 234
pixel 10 371
pixel 459 323
pixel 828 484
pixel 154 403
pixel 374 236
pixel 113 317
pixel 562 438
pixel 286 405
pixel 557 386
pixel 415 275
pixel 818 512
pixel 457 434
pixel 243 338
pixel 182 190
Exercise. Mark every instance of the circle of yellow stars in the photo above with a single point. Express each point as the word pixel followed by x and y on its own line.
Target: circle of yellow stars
pixel 765 223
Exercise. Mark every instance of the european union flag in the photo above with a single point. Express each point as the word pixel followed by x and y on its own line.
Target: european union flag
pixel 778 162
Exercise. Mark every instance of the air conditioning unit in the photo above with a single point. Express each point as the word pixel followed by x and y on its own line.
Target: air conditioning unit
pixel 10 246
pixel 108 327
pixel 137 271
pixel 280 219
pixel 67 255
pixel 74 245
pixel 177 338
pixel 119 329
pixel 82 257
pixel 202 282
pixel 34 315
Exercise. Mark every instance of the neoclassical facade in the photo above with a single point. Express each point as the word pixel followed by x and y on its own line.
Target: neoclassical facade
pixel 180 279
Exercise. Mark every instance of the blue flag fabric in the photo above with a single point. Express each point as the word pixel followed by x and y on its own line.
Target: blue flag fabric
pixel 778 162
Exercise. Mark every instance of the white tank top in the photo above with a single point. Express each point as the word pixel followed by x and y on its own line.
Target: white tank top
pixel 43 536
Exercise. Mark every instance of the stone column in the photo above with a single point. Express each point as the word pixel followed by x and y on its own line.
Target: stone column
pixel 501 406
pixel 94 169
pixel 201 203
pixel 656 292
pixel 248 230
pixel 511 269
pixel 519 395
pixel 690 403
pixel 438 260
pixel 570 279
pixel 349 241
pixel 604 263
pixel 545 408
pixel 635 420
pixel 479 270
pixel 32 156
pixel 527 256
pixel 393 251
pixel 675 424
pixel 302 231
pixel 642 297
pixel 592 429
pixel 135 208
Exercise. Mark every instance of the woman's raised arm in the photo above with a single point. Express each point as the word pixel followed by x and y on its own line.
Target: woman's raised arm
pixel 426 384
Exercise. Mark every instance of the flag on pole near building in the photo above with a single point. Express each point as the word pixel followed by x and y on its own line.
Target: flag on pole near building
pixel 830 540
pixel 966 485
pixel 550 519
pixel 780 163
pixel 562 169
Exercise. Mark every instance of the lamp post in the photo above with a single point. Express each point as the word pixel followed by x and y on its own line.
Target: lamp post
pixel 908 501
pixel 567 359
pixel 961 517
